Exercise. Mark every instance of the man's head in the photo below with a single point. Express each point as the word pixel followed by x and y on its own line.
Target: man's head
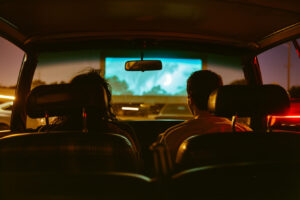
pixel 199 86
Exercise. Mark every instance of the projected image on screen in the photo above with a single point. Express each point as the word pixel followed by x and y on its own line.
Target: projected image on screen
pixel 171 80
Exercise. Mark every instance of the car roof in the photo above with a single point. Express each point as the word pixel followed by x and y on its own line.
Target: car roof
pixel 254 24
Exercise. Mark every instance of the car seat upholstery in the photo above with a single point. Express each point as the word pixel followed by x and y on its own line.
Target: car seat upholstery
pixel 106 185
pixel 86 107
pixel 64 150
pixel 238 165
pixel 69 164
pixel 67 151
pixel 228 101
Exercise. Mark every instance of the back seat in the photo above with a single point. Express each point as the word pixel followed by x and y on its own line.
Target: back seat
pixel 237 101
pixel 239 165
pixel 67 151
pixel 79 164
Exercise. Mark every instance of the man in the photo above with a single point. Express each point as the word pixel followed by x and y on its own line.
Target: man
pixel 199 86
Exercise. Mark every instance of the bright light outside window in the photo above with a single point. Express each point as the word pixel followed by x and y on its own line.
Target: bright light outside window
pixel 171 80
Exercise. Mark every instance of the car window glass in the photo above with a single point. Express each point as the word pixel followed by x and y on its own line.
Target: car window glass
pixel 167 81
pixel 281 65
pixel 11 58
pixel 149 95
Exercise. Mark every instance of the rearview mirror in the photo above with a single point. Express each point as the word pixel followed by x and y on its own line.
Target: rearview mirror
pixel 143 65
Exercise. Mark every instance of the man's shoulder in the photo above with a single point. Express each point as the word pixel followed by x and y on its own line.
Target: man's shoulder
pixel 176 128
pixel 179 126
pixel 197 122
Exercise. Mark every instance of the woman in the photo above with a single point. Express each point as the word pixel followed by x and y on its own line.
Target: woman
pixel 94 89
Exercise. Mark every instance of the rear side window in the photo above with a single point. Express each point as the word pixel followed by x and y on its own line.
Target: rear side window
pixel 11 58
pixel 281 65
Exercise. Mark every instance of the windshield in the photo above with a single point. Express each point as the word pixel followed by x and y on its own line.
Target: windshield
pixel 165 82
pixel 148 95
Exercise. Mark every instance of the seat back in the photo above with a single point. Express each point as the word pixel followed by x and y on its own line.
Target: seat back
pixel 77 186
pixel 240 165
pixel 253 165
pixel 241 181
pixel 69 164
pixel 234 100
pixel 99 148
pixel 67 151
pixel 241 147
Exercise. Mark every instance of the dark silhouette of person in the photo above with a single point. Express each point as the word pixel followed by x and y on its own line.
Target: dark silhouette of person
pixel 199 86
pixel 104 121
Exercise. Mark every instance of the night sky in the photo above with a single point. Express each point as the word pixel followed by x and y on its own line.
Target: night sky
pixel 10 62
pixel 273 65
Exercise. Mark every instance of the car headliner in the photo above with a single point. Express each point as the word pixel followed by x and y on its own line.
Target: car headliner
pixel 251 24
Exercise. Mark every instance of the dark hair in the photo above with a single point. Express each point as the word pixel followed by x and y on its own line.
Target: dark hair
pixel 199 86
pixel 92 80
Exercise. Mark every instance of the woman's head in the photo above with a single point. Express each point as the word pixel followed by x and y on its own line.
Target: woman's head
pixel 96 90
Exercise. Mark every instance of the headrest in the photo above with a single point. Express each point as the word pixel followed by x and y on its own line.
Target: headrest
pixel 245 147
pixel 247 101
pixel 64 99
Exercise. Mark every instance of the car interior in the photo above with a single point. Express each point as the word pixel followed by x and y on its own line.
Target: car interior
pixel 146 51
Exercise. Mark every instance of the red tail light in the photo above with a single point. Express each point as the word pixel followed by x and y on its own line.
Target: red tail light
pixel 292 118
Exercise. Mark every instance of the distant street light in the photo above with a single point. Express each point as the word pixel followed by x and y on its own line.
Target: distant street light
pixel 7 97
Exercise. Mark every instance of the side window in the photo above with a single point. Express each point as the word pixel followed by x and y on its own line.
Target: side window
pixel 281 65
pixel 11 58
